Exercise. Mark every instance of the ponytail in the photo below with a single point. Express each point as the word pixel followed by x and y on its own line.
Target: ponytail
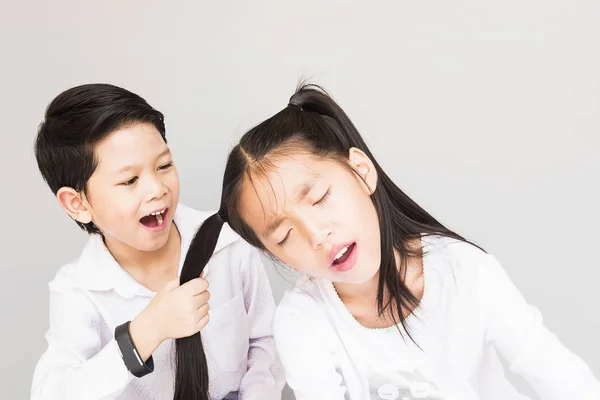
pixel 191 376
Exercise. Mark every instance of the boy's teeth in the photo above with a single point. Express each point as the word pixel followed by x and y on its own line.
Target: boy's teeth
pixel 159 219
pixel 341 253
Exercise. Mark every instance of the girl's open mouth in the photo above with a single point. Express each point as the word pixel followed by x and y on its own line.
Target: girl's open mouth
pixel 345 259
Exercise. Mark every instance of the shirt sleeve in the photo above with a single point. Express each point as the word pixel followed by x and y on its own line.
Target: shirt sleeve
pixel 75 365
pixel 517 331
pixel 264 379
pixel 309 365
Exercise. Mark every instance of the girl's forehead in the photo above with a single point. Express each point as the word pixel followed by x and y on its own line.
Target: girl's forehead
pixel 292 167
pixel 266 191
pixel 278 183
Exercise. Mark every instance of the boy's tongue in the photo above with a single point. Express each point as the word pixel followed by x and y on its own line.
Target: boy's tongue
pixel 150 221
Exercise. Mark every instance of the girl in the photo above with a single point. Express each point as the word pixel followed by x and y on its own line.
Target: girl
pixel 392 304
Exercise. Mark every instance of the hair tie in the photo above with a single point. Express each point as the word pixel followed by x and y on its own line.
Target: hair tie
pixel 293 104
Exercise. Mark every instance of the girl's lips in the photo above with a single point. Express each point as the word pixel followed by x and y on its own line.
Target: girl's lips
pixel 335 250
pixel 347 261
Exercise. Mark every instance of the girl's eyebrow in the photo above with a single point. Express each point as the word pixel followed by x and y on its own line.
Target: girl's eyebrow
pixel 304 190
pixel 273 226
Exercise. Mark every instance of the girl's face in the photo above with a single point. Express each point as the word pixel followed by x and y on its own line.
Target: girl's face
pixel 317 216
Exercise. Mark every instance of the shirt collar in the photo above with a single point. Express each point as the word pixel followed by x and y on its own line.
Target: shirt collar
pixel 97 270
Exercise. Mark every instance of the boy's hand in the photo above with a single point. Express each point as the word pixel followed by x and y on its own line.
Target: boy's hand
pixel 176 311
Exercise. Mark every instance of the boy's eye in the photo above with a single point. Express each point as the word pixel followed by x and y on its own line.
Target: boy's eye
pixel 166 166
pixel 129 182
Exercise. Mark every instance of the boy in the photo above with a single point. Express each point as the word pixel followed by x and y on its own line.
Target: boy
pixel 103 152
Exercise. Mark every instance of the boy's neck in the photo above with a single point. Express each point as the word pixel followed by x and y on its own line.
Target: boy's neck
pixel 148 267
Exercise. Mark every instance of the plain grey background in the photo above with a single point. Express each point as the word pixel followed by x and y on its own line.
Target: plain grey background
pixel 486 113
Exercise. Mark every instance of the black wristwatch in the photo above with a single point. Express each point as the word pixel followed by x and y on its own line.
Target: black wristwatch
pixel 129 353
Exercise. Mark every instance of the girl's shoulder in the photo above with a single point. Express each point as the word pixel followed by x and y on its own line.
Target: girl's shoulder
pixel 306 295
pixel 455 249
pixel 455 259
pixel 305 303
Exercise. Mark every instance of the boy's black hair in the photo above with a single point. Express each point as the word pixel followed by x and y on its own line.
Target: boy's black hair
pixel 75 122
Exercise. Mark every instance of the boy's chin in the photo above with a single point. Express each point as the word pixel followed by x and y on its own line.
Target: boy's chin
pixel 150 247
pixel 152 242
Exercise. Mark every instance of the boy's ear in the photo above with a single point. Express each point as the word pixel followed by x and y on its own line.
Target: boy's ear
pixel 71 201
pixel 363 165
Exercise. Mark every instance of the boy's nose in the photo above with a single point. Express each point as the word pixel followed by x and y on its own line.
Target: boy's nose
pixel 156 190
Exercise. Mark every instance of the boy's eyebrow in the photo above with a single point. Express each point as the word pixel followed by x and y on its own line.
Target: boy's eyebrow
pixel 302 193
pixel 129 167
pixel 164 153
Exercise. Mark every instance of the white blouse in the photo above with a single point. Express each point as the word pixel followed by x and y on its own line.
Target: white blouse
pixel 470 315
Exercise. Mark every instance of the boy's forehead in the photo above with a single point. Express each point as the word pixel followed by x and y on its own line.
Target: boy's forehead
pixel 127 146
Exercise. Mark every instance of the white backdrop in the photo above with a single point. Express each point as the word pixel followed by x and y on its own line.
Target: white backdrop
pixel 487 113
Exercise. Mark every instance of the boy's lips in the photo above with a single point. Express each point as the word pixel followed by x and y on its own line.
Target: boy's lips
pixel 156 220
pixel 158 210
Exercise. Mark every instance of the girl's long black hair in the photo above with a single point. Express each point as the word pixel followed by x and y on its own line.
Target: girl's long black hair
pixel 312 120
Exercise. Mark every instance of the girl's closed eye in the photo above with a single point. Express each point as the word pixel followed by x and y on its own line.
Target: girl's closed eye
pixel 285 239
pixel 323 199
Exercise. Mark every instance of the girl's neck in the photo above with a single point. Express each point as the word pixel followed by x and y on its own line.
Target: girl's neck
pixel 361 299
pixel 358 292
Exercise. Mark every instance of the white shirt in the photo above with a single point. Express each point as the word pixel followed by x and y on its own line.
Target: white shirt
pixel 469 315
pixel 91 296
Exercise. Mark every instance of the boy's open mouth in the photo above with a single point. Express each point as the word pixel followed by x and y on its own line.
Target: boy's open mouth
pixel 155 219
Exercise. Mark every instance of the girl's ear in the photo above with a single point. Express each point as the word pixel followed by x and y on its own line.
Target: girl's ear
pixel 71 201
pixel 363 165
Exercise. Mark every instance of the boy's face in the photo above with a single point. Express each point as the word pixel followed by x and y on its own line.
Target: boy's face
pixel 135 177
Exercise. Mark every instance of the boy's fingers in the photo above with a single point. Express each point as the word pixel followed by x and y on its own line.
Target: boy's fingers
pixel 203 322
pixel 171 285
pixel 196 286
